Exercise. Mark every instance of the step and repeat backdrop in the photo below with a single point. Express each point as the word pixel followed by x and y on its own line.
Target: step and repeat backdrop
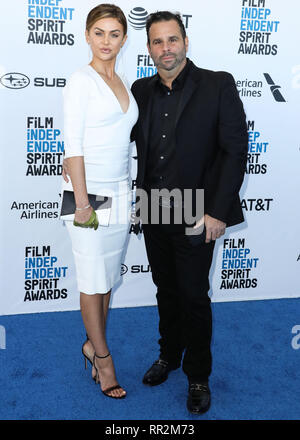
pixel 42 43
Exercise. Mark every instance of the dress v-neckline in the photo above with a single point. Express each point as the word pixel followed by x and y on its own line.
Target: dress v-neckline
pixel 112 92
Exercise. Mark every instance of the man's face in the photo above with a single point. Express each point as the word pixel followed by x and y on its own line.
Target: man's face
pixel 167 48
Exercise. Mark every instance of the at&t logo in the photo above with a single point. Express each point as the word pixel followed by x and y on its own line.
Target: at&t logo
pixel 137 18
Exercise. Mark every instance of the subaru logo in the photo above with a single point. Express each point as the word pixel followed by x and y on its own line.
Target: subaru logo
pixel 137 18
pixel 124 269
pixel 15 80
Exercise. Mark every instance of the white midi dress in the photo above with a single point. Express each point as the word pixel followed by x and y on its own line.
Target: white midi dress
pixel 96 128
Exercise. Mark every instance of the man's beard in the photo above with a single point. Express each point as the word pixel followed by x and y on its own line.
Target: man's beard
pixel 178 58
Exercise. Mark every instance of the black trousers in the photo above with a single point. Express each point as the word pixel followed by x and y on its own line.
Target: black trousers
pixel 181 273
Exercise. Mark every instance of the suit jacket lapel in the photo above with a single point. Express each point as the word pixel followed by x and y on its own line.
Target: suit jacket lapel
pixel 145 109
pixel 188 89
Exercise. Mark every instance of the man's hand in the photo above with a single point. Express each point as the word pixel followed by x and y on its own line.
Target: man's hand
pixel 214 228
pixel 65 171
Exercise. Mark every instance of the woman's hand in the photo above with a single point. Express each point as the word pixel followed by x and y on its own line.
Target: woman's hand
pixel 65 171
pixel 91 222
pixel 83 216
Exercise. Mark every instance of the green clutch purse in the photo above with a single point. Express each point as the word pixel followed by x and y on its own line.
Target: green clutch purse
pixel 100 204
pixel 92 222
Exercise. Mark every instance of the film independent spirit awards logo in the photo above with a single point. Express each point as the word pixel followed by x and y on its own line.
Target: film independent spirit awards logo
pixel 137 17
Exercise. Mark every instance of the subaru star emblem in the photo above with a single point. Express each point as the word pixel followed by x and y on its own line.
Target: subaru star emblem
pixel 124 269
pixel 15 80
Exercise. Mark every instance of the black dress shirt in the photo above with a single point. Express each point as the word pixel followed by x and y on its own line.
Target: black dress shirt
pixel 161 166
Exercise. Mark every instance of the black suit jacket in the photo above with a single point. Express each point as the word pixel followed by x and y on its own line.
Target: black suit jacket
pixel 211 139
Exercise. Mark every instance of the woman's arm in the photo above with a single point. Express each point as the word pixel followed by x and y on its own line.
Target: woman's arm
pixel 75 108
pixel 76 171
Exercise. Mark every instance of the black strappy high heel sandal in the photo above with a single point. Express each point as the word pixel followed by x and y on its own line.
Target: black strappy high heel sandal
pixel 86 357
pixel 97 380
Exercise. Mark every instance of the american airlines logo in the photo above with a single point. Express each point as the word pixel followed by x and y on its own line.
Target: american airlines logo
pixel 274 89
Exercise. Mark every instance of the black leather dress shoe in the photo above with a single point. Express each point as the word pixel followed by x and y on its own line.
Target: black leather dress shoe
pixel 158 373
pixel 198 401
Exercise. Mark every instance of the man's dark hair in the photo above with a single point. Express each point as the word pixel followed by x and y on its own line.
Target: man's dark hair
pixel 164 16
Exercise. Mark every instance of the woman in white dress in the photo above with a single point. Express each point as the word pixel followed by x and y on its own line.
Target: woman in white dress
pixel 99 113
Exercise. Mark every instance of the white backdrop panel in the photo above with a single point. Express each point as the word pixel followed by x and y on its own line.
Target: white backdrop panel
pixel 38 53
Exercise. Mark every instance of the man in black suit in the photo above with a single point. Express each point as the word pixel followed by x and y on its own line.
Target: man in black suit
pixel 191 134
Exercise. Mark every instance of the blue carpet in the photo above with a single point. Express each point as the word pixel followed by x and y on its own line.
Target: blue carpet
pixel 255 369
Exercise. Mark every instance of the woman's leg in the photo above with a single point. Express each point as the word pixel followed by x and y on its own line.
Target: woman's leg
pixel 94 309
pixel 88 346
pixel 106 300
